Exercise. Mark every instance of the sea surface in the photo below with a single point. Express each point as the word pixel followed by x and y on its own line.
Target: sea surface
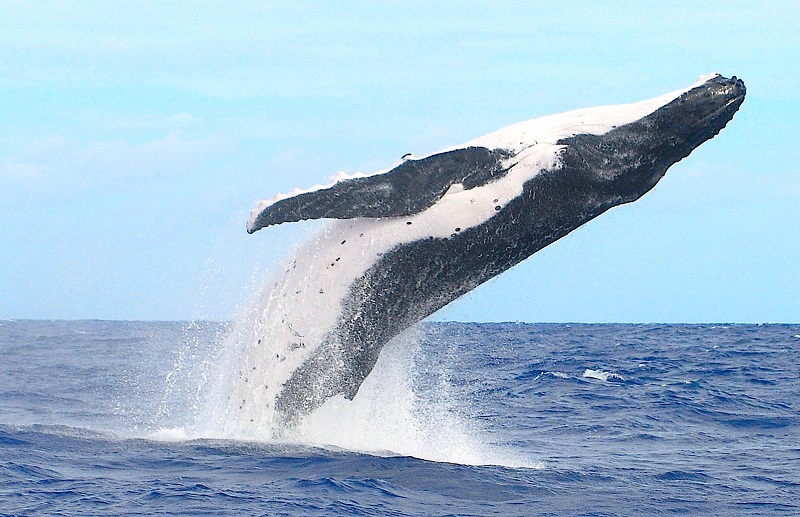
pixel 110 418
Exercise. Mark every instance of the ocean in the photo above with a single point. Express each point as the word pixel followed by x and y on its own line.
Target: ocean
pixel 115 417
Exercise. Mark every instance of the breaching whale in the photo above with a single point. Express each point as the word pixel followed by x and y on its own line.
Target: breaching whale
pixel 411 239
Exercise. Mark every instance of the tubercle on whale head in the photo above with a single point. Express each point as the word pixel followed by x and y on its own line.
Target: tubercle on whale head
pixel 630 159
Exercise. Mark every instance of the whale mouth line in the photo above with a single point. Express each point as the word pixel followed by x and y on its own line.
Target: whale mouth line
pixel 732 101
pixel 720 112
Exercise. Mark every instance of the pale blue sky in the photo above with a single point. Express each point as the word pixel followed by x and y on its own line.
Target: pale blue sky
pixel 135 137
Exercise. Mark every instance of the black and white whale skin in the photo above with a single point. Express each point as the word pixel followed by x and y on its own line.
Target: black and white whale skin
pixel 416 237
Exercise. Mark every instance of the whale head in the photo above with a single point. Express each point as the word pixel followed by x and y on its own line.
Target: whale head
pixel 630 159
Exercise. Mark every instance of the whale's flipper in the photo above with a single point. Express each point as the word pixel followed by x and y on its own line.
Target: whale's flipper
pixel 408 189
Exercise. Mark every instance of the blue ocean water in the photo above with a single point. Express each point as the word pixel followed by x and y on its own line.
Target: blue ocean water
pixel 96 418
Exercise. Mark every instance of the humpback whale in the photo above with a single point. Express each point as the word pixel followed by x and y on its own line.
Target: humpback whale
pixel 411 239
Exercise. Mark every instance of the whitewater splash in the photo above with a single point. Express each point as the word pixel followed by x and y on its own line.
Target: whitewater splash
pixel 228 391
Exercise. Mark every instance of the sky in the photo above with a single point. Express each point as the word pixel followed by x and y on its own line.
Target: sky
pixel 135 138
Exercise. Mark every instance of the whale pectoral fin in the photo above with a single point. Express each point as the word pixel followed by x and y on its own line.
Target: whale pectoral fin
pixel 408 189
pixel 383 195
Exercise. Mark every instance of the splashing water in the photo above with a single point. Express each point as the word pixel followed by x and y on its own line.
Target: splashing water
pixel 390 415
pixel 231 387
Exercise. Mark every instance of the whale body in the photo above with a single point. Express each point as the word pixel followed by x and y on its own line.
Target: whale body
pixel 411 239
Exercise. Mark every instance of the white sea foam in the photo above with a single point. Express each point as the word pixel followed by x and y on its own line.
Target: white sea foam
pixel 169 434
pixel 601 375
pixel 389 416
pixel 393 413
